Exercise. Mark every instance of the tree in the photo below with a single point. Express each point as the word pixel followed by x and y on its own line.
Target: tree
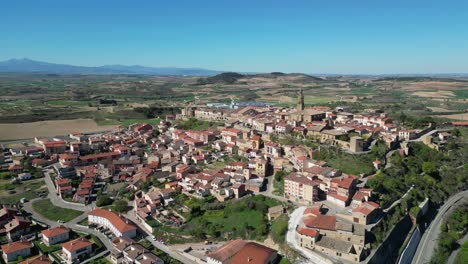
pixel 429 168
pixel 121 206
pixel 103 200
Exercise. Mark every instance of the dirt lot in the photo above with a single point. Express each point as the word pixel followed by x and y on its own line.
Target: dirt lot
pixel 438 94
pixel 463 117
pixel 49 128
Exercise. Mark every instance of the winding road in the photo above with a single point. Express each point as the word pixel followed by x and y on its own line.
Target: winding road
pixel 73 224
pixel 429 239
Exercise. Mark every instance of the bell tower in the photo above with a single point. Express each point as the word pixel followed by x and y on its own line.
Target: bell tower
pixel 300 102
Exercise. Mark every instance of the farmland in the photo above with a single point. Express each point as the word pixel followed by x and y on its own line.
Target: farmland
pixel 28 103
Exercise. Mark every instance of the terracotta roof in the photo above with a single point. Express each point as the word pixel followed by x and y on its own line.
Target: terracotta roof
pixel 252 253
pixel 55 231
pixel 42 259
pixel 226 251
pixel 314 210
pixel 16 246
pixel 362 210
pixel 76 244
pixel 100 155
pixel 338 197
pixel 307 232
pixel 327 222
pixel 118 222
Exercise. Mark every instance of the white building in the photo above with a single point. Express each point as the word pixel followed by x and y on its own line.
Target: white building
pixel 76 249
pixel 55 235
pixel 118 225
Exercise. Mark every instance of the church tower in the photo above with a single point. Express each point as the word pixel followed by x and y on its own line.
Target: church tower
pixel 300 103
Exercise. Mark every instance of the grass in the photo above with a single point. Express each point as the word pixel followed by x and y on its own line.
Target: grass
pixel 461 93
pixel 245 218
pixel 195 124
pixel 48 210
pixel 32 186
pixel 462 256
pixel 47 249
pixel 69 103
pixel 102 260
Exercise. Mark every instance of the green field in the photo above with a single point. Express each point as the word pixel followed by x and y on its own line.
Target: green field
pixel 26 189
pixel 48 210
pixel 462 256
pixel 69 102
pixel 245 218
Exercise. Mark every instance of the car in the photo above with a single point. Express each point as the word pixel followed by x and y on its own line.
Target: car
pixel 154 238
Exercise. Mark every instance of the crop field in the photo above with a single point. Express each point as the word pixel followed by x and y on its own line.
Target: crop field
pixel 49 105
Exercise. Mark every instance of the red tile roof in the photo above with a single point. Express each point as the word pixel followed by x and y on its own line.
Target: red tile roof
pixel 252 253
pixel 55 231
pixel 307 232
pixel 226 251
pixel 42 259
pixel 117 221
pixel 76 244
pixel 16 246
pixel 327 222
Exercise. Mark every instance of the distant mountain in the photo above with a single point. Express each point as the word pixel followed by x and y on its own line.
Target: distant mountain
pixel 32 66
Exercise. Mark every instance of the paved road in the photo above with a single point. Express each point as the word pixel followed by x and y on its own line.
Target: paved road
pixel 58 201
pixel 429 239
pixel 71 225
pixel 294 220
pixel 167 249
pixel 455 253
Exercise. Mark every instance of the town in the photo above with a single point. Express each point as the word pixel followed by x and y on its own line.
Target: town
pixel 209 184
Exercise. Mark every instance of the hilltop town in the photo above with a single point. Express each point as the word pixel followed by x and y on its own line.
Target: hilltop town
pixel 277 183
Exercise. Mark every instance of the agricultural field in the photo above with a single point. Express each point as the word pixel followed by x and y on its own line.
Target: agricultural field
pixel 100 102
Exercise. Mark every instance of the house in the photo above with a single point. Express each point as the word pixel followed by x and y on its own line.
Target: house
pixel 307 237
pixel 76 249
pixel 12 251
pixel 366 213
pixel 119 225
pixel 240 251
pixel 24 176
pixel 275 212
pixel 17 227
pixel 41 259
pixel 55 235
pixel 136 253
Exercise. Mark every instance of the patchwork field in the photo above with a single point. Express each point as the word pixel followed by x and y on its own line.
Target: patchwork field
pixel 29 103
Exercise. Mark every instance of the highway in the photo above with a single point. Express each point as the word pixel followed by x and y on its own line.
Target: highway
pixel 429 239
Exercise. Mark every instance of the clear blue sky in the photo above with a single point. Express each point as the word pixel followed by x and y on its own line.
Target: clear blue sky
pixel 312 36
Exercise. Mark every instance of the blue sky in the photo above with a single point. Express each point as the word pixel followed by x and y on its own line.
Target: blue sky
pixel 312 36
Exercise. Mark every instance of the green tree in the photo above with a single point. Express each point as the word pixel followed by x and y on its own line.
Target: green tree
pixel 103 200
pixel 121 206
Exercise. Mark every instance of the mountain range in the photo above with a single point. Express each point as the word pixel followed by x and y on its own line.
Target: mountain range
pixel 32 66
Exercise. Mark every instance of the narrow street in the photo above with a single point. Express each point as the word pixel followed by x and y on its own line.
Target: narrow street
pixel 294 220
